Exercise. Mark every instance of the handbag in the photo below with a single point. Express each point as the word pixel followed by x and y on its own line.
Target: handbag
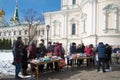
pixel 62 63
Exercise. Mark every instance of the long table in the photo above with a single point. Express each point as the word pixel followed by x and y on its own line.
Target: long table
pixel 77 58
pixel 41 63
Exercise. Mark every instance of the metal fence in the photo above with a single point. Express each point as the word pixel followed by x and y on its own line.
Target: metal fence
pixel 6 67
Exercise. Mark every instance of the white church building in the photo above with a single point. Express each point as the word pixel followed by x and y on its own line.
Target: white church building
pixel 86 21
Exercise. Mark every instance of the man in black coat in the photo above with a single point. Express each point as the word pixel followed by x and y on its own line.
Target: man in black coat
pixel 72 51
pixel 25 60
pixel 17 54
pixel 108 55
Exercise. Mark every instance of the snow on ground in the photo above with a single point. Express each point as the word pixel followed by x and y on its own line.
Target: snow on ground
pixel 6 59
pixel 6 55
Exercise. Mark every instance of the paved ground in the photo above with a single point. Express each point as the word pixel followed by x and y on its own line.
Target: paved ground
pixel 81 73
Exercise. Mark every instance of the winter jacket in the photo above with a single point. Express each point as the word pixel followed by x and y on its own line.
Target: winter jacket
pixel 80 49
pixel 50 49
pixel 101 50
pixel 88 51
pixel 32 51
pixel 72 49
pixel 41 51
pixel 57 50
pixel 17 51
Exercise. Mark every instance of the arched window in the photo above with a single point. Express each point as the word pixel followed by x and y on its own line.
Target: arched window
pixel 42 32
pixel 19 32
pixel 83 20
pixel 14 32
pixel 25 32
pixel 4 33
pixel 73 29
pixel 56 30
pixel 73 2
pixel 9 33
pixel 111 16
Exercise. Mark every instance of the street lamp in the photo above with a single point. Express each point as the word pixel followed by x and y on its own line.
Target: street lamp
pixel 48 28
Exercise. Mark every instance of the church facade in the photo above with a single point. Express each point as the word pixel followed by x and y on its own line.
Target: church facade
pixel 87 21
pixel 79 21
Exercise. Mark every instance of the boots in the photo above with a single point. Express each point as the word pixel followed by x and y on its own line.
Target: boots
pixel 24 72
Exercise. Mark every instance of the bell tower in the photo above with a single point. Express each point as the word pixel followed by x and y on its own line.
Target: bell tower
pixel 16 16
pixel 70 4
pixel 15 19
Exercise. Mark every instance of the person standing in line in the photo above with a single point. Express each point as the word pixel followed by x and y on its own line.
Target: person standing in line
pixel 62 51
pixel 89 53
pixel 50 50
pixel 116 50
pixel 41 51
pixel 101 56
pixel 72 51
pixel 80 49
pixel 115 56
pixel 57 52
pixel 17 53
pixel 25 61
pixel 108 55
pixel 32 51
pixel 93 54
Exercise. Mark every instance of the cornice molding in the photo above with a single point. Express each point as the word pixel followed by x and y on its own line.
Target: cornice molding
pixel 99 1
pixel 110 36
pixel 62 12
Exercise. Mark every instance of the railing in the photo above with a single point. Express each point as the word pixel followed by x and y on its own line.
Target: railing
pixel 10 50
pixel 6 67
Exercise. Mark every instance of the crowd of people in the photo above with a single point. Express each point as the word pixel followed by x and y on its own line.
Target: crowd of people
pixel 102 54
pixel 23 53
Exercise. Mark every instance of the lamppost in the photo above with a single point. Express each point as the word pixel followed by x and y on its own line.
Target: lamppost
pixel 47 28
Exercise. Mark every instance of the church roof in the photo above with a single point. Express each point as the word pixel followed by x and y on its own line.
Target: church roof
pixel 2 12
pixel 16 16
pixel 3 24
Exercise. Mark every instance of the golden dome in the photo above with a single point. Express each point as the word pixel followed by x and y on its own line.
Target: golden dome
pixel 11 19
pixel 2 12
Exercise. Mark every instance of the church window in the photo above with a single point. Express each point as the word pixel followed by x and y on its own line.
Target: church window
pixel 84 26
pixel 73 29
pixel 42 32
pixel 4 33
pixel 84 18
pixel 25 32
pixel 111 20
pixel 39 32
pixel 111 17
pixel 73 2
pixel 9 33
pixel 19 32
pixel 14 32
pixel 56 30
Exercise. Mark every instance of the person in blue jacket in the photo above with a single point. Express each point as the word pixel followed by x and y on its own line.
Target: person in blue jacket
pixel 101 56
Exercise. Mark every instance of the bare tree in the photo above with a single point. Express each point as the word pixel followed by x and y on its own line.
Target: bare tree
pixel 33 19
